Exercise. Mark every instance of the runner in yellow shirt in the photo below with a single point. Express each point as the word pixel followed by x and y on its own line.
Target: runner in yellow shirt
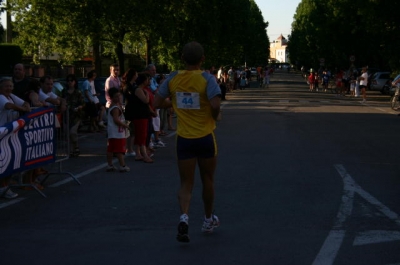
pixel 196 97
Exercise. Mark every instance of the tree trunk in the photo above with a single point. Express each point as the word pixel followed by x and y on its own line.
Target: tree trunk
pixel 148 49
pixel 119 51
pixel 97 56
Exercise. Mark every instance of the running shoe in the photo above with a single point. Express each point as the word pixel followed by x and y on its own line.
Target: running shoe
pixel 124 169
pixel 130 154
pixel 9 194
pixel 110 168
pixel 208 226
pixel 101 124
pixel 183 232
pixel 160 143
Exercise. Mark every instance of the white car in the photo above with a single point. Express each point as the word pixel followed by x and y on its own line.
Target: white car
pixel 378 80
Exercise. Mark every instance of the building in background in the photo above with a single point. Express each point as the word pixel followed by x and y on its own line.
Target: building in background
pixel 278 50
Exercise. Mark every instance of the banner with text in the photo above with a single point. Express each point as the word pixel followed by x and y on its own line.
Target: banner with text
pixel 28 142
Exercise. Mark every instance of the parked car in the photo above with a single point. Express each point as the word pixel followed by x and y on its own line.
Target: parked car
pixel 253 71
pixel 57 88
pixel 378 80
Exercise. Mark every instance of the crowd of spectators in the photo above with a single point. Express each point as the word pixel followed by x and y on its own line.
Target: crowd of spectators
pixel 134 126
pixel 349 81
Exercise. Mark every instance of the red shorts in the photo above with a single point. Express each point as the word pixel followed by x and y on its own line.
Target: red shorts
pixel 141 128
pixel 115 145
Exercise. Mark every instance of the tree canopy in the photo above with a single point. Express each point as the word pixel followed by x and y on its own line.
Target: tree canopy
pixel 338 29
pixel 232 32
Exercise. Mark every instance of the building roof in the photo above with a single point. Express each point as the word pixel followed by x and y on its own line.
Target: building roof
pixel 281 37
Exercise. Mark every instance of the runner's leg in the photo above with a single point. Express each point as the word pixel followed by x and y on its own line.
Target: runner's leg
pixel 207 168
pixel 186 171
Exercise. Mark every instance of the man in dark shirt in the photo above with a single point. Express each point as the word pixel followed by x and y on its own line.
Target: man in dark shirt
pixel 20 81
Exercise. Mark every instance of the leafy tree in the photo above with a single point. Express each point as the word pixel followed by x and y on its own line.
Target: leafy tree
pixel 230 31
pixel 337 29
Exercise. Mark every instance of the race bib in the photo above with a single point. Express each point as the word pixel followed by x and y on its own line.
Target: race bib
pixel 186 100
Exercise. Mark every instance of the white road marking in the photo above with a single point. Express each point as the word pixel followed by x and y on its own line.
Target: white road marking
pixel 376 236
pixel 82 174
pixel 333 242
pixel 331 246
pixel 13 201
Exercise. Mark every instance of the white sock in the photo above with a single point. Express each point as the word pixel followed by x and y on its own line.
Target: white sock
pixel 208 220
pixel 184 218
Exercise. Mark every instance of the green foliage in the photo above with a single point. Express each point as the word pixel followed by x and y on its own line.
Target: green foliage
pixel 10 55
pixel 337 29
pixel 230 31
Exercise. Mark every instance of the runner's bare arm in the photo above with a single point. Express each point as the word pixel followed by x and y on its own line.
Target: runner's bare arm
pixel 215 103
pixel 161 103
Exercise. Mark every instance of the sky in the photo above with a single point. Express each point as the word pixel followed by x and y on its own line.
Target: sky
pixel 279 14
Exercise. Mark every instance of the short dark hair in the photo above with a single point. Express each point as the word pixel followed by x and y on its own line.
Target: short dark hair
pixel 90 74
pixel 43 78
pixel 192 53
pixel 34 85
pixel 114 65
pixel 112 91
pixel 143 76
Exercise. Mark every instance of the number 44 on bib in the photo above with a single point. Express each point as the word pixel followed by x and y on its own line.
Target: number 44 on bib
pixel 186 100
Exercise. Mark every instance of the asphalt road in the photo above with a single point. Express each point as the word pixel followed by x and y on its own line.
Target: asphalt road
pixel 303 178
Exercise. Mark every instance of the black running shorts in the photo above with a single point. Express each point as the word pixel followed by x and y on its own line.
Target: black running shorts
pixel 205 147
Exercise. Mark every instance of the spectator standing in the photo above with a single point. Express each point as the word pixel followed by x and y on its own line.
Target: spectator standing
pixel 140 115
pixel 195 96
pixel 10 107
pixel 339 82
pixel 220 73
pixel 112 81
pixel 151 69
pixel 19 80
pixel 325 80
pixel 32 94
pixel 75 103
pixel 129 86
pixel 116 130
pixel 363 83
pixel 163 112
pixel 248 75
pixel 316 82
pixel 237 78
pixel 94 109
pixel 243 81
pixel 231 77
pixel 46 93
pixel 352 85
pixel 266 77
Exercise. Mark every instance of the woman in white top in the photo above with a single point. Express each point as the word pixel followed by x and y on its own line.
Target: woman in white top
pixel 10 106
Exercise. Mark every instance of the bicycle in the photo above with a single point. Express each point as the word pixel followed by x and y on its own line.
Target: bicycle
pixel 394 101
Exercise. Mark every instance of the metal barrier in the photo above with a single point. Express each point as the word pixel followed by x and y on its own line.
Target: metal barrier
pixel 62 154
pixel 63 145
